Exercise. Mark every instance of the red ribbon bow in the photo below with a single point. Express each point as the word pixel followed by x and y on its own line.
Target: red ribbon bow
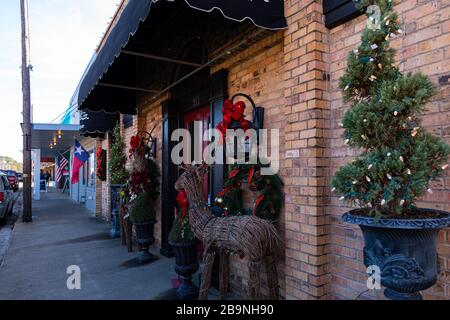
pixel 233 112
pixel 183 203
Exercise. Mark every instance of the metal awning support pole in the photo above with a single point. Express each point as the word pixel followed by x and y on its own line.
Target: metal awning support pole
pixel 126 87
pixel 159 58
pixel 210 62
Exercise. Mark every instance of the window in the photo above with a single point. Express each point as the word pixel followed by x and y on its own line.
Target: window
pixel 91 176
pixel 338 12
pixel 127 121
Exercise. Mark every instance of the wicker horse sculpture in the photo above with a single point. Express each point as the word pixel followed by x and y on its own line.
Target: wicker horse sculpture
pixel 246 236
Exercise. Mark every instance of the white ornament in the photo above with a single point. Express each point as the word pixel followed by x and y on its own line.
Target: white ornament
pixel 342 198
pixel 402 202
pixel 370 166
pixel 389 154
pixel 333 190
pixel 383 202
pixel 395 113
pixel 389 176
pixel 365 120
pixel 374 46
pixel 355 182
pixel 445 167
pixel 346 87
pixel 364 137
pixel 430 191
pixel 409 172
pixel 347 141
pixel 368 179
pixel 401 159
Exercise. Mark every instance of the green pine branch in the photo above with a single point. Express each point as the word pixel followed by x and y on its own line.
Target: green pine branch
pixel 399 158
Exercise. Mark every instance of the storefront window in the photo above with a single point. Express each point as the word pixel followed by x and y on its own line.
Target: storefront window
pixel 91 170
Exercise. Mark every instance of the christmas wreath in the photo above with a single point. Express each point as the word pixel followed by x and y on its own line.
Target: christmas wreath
pixel 267 191
pixel 101 163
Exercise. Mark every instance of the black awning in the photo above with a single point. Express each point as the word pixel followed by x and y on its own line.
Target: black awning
pixel 96 124
pixel 267 14
pixel 134 13
pixel 105 74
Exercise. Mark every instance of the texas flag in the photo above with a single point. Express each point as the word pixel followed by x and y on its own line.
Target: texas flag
pixel 79 158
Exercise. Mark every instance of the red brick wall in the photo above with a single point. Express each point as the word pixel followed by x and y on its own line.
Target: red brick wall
pixel 150 118
pixel 425 47
pixel 105 191
pixel 258 71
pixel 307 116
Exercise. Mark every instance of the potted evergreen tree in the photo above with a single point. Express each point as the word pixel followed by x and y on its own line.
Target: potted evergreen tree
pixel 119 177
pixel 143 187
pixel 185 245
pixel 398 162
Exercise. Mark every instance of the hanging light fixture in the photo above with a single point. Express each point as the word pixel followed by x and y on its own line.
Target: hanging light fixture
pixel 59 134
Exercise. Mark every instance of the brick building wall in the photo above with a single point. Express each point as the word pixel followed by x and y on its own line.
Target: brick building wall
pixel 104 191
pixel 294 75
pixel 258 71
pixel 150 120
pixel 307 116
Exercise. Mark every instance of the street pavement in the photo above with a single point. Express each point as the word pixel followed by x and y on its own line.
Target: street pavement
pixel 62 235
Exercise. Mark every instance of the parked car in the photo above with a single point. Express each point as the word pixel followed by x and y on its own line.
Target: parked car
pixel 6 197
pixel 12 178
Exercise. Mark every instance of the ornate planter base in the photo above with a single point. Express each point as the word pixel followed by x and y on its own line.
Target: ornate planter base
pixel 144 236
pixel 115 203
pixel 115 225
pixel 186 266
pixel 403 250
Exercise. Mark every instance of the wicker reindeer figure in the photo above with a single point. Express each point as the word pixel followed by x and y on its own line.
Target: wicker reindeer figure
pixel 246 236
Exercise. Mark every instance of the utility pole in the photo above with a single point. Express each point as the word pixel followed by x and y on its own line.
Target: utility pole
pixel 27 215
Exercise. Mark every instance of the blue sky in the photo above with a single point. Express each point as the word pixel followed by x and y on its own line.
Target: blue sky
pixel 64 35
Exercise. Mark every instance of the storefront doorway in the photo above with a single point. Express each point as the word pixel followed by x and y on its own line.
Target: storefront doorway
pixel 199 118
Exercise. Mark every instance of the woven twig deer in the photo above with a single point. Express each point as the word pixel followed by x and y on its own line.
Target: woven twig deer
pixel 247 236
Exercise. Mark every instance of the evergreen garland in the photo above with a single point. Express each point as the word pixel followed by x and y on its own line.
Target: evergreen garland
pixel 399 157
pixel 267 190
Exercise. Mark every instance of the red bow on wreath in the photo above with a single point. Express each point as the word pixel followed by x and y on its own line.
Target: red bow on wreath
pixel 233 112
pixel 183 203
pixel 135 144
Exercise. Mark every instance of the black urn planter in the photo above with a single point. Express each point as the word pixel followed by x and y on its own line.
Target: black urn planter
pixel 115 210
pixel 404 250
pixel 145 238
pixel 186 264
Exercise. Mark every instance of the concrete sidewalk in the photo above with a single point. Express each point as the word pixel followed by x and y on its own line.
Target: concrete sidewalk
pixel 64 234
